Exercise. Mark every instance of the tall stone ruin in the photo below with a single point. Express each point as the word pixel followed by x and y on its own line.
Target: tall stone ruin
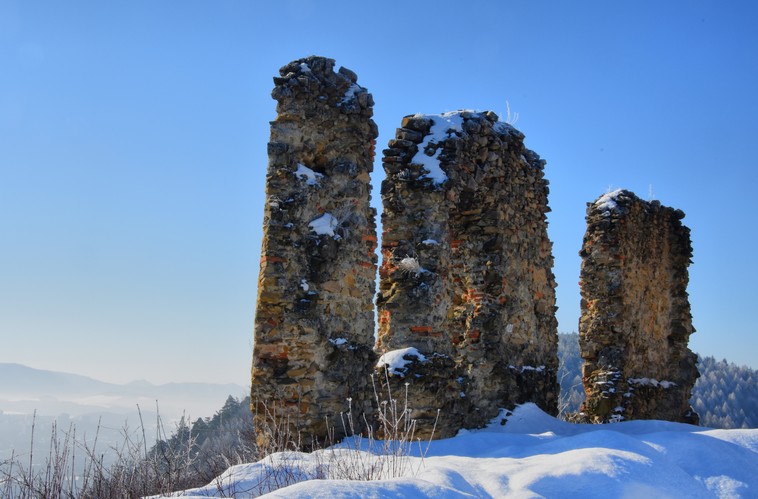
pixel 466 301
pixel 314 324
pixel 636 322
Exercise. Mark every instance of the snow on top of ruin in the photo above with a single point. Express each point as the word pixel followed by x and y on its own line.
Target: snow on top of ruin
pixel 395 360
pixel 311 177
pixel 607 202
pixel 324 225
pixel 350 93
pixel 504 127
pixel 304 67
pixel 442 126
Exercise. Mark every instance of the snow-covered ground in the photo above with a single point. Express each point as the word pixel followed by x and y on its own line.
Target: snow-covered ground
pixel 533 455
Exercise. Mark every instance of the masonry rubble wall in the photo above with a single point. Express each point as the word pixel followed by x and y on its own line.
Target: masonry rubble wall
pixel 314 324
pixel 635 322
pixel 466 280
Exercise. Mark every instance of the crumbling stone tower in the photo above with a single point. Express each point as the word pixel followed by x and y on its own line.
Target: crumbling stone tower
pixel 466 302
pixel 636 321
pixel 314 324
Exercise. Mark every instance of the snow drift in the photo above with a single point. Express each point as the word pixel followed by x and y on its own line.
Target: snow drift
pixel 533 455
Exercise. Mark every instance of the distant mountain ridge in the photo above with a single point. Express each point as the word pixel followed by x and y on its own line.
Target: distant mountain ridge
pixel 25 389
pixel 18 379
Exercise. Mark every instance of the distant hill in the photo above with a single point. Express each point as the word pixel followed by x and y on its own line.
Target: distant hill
pixel 24 389
pixel 94 407
pixel 19 380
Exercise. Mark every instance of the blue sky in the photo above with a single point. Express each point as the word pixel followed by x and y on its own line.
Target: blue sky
pixel 133 153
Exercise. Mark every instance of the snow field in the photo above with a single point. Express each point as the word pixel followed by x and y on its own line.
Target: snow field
pixel 533 455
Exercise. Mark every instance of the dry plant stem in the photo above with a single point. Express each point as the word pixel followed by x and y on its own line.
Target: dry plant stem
pixel 31 448
pixel 142 425
pixel 141 471
pixel 359 456
pixel 136 471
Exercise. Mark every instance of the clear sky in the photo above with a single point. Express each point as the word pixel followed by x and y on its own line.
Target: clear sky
pixel 133 152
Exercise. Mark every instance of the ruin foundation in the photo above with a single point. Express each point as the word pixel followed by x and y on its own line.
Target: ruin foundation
pixel 636 322
pixel 466 302
pixel 314 325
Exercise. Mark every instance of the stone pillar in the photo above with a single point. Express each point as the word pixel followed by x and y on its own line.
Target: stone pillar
pixel 466 280
pixel 314 324
pixel 636 321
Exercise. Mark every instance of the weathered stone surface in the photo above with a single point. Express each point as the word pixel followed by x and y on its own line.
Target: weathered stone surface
pixel 314 324
pixel 636 322
pixel 466 275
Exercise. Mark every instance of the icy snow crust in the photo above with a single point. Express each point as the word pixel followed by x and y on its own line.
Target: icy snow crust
pixel 533 455
pixel 396 362
pixel 324 225
pixel 651 382
pixel 310 177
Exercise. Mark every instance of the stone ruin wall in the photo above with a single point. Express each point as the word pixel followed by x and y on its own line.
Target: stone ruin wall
pixel 466 301
pixel 314 326
pixel 635 322
pixel 466 276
